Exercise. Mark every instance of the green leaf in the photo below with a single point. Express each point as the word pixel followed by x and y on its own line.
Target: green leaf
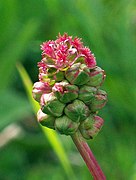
pixel 13 108
pixel 51 135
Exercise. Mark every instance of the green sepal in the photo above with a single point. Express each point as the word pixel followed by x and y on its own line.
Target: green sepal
pixel 45 120
pixel 52 106
pixel 59 76
pixel 54 75
pixel 77 74
pixel 77 111
pixel 91 126
pixel 80 59
pixel 86 93
pixel 97 77
pixel 69 92
pixel 98 101
pixel 66 126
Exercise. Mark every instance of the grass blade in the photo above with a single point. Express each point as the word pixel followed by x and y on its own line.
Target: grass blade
pixel 50 134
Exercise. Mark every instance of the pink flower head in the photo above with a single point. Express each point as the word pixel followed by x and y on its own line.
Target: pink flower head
pixel 89 57
pixel 63 38
pixel 63 53
pixel 77 43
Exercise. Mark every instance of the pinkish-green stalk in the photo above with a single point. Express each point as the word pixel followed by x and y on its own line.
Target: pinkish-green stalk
pixel 88 156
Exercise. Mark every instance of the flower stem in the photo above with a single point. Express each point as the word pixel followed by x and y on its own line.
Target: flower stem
pixel 88 157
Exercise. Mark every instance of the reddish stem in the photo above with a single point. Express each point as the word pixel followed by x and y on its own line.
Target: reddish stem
pixel 88 157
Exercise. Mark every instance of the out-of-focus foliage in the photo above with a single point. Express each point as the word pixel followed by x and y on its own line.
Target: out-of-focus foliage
pixel 109 29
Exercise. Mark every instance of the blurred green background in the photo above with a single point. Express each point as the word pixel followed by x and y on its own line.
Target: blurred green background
pixel 109 29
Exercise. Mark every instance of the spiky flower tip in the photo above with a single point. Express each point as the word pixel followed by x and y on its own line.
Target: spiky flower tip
pixel 68 89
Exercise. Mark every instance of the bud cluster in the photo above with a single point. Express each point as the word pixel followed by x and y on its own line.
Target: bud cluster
pixel 69 88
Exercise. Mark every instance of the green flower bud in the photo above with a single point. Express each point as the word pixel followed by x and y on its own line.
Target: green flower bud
pixel 86 93
pixel 77 111
pixel 45 120
pixel 57 76
pixel 77 74
pixel 65 92
pixel 65 125
pixel 80 59
pixel 98 101
pixel 97 77
pixel 51 105
pixel 91 126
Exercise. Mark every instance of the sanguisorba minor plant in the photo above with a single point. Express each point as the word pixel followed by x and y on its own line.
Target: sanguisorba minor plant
pixel 69 94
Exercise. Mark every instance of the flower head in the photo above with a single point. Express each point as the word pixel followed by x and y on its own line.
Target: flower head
pixel 63 53
pixel 68 88
pixel 69 95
